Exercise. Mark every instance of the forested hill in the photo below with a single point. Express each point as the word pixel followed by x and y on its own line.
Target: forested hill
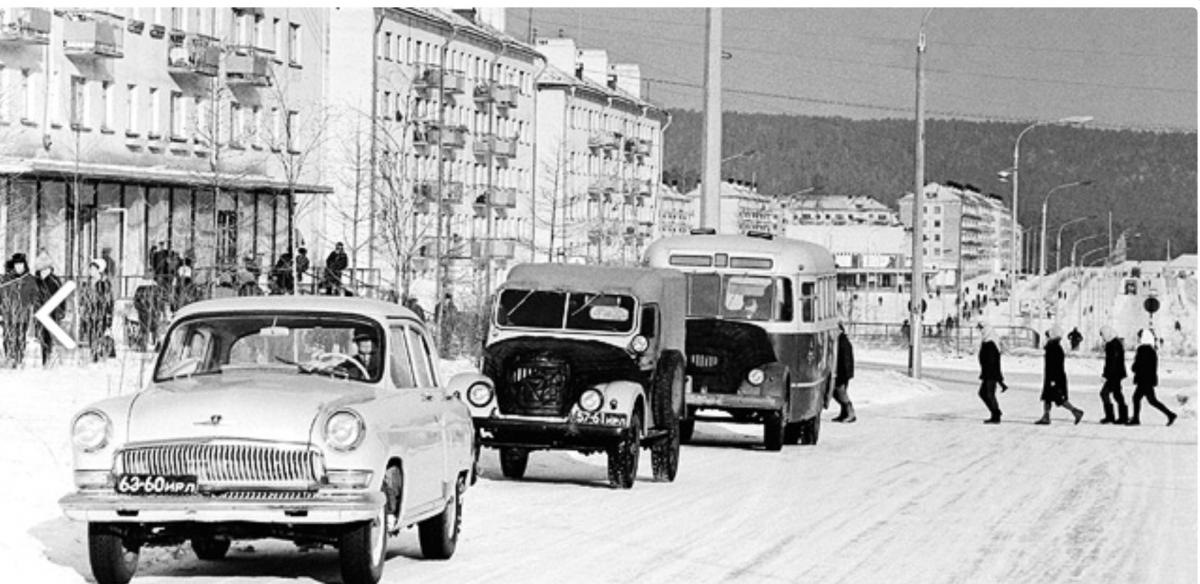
pixel 1147 179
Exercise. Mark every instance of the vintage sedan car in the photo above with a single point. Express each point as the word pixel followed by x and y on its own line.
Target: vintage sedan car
pixel 319 420
pixel 586 358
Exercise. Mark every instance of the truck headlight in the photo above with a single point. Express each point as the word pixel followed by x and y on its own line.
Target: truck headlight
pixel 591 400
pixel 479 395
pixel 90 431
pixel 639 344
pixel 755 377
pixel 344 430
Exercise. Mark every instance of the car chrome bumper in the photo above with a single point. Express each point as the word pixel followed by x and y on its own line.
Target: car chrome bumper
pixel 322 509
pixel 542 434
pixel 720 401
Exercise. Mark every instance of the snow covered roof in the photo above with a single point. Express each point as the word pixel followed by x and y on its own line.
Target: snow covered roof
pixel 1185 261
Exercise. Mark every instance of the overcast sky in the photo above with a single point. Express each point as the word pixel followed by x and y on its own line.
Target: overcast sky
pixel 1130 68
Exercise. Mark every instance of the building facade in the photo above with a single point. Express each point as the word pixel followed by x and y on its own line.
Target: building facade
pixel 599 157
pixel 678 214
pixel 124 130
pixel 440 104
pixel 744 209
pixel 836 210
pixel 963 229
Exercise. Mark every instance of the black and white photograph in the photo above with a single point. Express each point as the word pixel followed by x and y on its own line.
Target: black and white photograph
pixel 657 294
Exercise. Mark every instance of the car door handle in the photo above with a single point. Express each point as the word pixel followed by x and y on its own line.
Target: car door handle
pixel 427 397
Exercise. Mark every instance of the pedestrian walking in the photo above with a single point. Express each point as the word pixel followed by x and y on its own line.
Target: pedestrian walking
pixel 1145 378
pixel 47 284
pixel 335 263
pixel 1075 337
pixel 96 310
pixel 1054 379
pixel 989 372
pixel 412 304
pixel 843 375
pixel 1114 372
pixel 446 315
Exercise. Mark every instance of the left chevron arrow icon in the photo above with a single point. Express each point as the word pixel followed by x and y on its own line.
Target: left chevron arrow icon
pixel 43 314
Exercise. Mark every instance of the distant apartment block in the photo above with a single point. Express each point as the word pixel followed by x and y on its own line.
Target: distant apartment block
pixel 963 229
pixel 810 209
pixel 744 209
pixel 678 214
pixel 599 157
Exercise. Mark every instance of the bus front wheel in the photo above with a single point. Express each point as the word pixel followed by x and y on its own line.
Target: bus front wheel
pixel 810 430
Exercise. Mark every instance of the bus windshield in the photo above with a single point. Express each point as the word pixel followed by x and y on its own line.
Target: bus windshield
pixel 755 298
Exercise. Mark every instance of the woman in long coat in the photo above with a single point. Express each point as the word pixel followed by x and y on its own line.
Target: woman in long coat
pixel 1145 377
pixel 989 372
pixel 1054 381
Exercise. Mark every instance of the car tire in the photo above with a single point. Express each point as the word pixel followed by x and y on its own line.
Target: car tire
pixel 211 548
pixel 112 562
pixel 439 534
pixel 791 433
pixel 810 430
pixel 363 549
pixel 664 454
pixel 475 448
pixel 513 462
pixel 623 458
pixel 686 429
pixel 773 430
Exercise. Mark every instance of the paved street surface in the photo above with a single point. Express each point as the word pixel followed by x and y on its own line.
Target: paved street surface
pixel 919 491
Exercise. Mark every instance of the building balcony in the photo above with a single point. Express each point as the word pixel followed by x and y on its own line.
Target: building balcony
pixel 248 66
pixel 426 137
pixel 504 96
pixel 502 197
pixel 496 248
pixel 194 55
pixel 434 77
pixel 638 148
pixel 26 26
pixel 93 39
pixel 604 141
pixel 492 145
pixel 602 186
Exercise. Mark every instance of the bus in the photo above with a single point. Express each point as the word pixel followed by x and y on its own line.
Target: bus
pixel 762 330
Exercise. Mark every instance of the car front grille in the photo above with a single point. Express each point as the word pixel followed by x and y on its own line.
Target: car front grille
pixel 227 465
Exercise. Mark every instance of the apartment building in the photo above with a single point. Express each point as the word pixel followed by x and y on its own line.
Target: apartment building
pixel 678 214
pixel 820 209
pixel 599 157
pixel 744 209
pixel 963 229
pixel 187 128
pixel 440 103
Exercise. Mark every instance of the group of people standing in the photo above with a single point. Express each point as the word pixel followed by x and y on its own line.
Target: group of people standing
pixel 23 292
pixel 1054 383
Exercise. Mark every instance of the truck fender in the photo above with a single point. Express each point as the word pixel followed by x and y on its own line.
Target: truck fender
pixel 626 395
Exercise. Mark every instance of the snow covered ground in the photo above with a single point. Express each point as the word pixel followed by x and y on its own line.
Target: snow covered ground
pixel 917 491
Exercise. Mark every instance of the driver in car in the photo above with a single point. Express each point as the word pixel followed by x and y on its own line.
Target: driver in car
pixel 364 341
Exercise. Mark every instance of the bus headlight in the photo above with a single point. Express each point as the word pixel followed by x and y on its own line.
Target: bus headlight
pixel 591 400
pixel 755 377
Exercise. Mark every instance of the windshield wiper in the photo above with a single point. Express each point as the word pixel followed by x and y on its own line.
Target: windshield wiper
pixel 519 304
pixel 586 304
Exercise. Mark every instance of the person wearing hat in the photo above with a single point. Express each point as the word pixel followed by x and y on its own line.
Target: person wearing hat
pixel 1145 378
pixel 335 263
pixel 47 284
pixel 1054 381
pixel 365 343
pixel 18 300
pixel 989 372
pixel 845 371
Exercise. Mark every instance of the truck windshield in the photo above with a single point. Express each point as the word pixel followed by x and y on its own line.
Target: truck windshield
pixel 756 298
pixel 581 311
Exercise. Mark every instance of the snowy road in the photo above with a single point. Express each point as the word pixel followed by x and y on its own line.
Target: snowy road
pixel 917 491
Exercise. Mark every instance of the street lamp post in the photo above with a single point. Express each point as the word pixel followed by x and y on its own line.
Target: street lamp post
pixel 1075 247
pixel 1014 172
pixel 1058 241
pixel 1045 204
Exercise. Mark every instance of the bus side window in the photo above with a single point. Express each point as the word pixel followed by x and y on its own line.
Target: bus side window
pixel 785 300
pixel 806 301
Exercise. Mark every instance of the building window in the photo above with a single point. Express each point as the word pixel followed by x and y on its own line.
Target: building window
pixel 237 125
pixel 106 105
pixel 276 128
pixel 258 26
pixel 293 119
pixel 387 46
pixel 154 131
pixel 78 103
pixel 277 37
pixel 177 18
pixel 200 117
pixel 178 115
pixel 131 109
pixel 27 99
pixel 243 28
pixel 256 129
pixel 294 44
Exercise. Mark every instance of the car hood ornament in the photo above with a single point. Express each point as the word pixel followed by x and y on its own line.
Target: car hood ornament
pixel 213 420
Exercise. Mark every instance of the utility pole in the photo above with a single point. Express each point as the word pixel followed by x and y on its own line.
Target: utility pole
pixel 710 197
pixel 917 291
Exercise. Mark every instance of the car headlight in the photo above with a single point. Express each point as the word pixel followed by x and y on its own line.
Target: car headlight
pixel 591 400
pixel 90 431
pixel 479 395
pixel 639 344
pixel 344 430
pixel 755 376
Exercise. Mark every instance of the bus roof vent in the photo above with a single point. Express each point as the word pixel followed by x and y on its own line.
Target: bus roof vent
pixel 704 231
pixel 760 234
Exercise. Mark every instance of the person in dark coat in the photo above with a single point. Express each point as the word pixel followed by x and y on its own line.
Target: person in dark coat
pixel 47 283
pixel 989 372
pixel 301 265
pixel 281 275
pixel 335 263
pixel 412 304
pixel 18 300
pixel 843 375
pixel 1075 337
pixel 1054 381
pixel 1145 378
pixel 96 309
pixel 1114 372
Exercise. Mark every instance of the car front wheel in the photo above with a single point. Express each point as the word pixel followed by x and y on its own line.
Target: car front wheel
pixel 363 547
pixel 439 534
pixel 113 561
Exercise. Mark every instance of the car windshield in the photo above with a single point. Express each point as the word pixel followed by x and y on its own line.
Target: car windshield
pixel 336 345
pixel 580 311
pixel 756 298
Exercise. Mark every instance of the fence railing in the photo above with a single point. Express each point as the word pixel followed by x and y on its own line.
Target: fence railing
pixel 890 332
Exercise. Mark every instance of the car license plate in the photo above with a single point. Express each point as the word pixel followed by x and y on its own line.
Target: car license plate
pixel 150 484
pixel 598 418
